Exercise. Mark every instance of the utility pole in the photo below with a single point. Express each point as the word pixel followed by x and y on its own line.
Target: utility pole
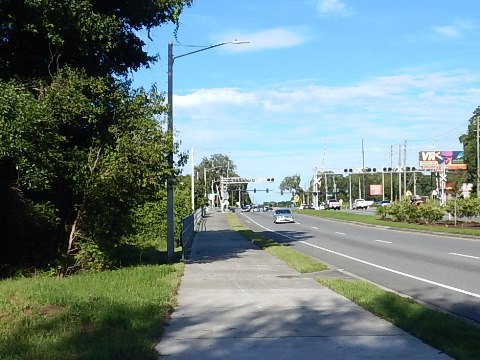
pixel 400 172
pixel 478 158
pixel 391 174
pixel 405 166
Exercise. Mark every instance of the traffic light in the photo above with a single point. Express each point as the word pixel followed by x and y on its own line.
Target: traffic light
pixel 266 191
pixel 254 190
pixel 281 192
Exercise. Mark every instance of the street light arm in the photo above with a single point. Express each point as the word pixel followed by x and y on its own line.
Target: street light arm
pixel 210 47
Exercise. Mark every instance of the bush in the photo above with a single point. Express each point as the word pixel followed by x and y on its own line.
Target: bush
pixel 464 207
pixel 431 212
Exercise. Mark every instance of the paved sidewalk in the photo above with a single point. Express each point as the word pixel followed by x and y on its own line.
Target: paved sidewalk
pixel 238 302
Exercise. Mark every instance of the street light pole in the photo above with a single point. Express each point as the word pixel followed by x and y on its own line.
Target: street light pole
pixel 170 179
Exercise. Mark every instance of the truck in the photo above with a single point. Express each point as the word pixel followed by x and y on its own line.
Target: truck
pixel 361 204
pixel 332 204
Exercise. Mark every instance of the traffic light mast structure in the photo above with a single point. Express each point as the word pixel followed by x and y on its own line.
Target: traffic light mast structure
pixel 225 181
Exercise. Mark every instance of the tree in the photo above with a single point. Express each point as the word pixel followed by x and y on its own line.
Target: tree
pixel 210 169
pixel 290 183
pixel 469 141
pixel 83 157
pixel 38 37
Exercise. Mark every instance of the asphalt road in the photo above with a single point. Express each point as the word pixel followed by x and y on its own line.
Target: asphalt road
pixel 442 271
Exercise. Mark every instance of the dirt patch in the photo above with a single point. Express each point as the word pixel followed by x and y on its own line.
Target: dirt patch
pixel 51 309
pixel 458 225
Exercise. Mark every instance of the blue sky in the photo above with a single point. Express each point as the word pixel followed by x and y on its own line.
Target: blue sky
pixel 317 78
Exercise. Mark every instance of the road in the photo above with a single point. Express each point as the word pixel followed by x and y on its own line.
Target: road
pixel 441 271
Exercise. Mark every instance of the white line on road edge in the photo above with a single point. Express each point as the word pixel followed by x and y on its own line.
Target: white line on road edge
pixel 394 271
pixel 372 264
pixel 467 256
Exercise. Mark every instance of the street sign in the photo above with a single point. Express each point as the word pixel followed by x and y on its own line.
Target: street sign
pixel 241 180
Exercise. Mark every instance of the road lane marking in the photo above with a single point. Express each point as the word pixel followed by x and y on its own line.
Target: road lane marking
pixel 372 264
pixel 339 233
pixel 394 271
pixel 467 256
pixel 383 241
pixel 314 227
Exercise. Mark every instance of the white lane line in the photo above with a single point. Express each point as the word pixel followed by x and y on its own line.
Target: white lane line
pixel 339 233
pixel 372 264
pixel 467 256
pixel 394 271
pixel 383 241
pixel 314 227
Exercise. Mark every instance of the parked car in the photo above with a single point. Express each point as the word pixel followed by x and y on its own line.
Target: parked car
pixel 246 208
pixel 283 216
pixel 333 204
pixel 307 206
pixel 383 203
pixel 361 204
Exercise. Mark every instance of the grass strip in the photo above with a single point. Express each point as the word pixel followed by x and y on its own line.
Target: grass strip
pixel 374 220
pixel 445 332
pixel 296 260
pixel 110 315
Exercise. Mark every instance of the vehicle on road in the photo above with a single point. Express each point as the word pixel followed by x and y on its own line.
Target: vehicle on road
pixel 307 206
pixel 333 204
pixel 383 203
pixel 283 216
pixel 361 204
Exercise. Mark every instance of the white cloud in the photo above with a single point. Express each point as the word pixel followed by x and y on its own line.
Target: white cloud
pixel 269 131
pixel 337 7
pixel 454 30
pixel 268 39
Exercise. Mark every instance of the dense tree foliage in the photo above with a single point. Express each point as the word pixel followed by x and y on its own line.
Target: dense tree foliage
pixel 209 171
pixel 81 165
pixel 290 183
pixel 469 141
pixel 83 156
pixel 38 37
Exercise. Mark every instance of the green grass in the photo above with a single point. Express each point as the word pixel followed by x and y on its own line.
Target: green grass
pixel 445 332
pixel 373 220
pixel 451 335
pixel 298 261
pixel 109 315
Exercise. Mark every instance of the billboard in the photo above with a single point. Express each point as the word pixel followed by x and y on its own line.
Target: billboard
pixel 435 160
pixel 376 190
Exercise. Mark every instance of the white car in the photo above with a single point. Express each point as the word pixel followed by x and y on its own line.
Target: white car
pixel 283 216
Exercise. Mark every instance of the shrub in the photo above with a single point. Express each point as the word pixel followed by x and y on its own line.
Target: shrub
pixel 431 212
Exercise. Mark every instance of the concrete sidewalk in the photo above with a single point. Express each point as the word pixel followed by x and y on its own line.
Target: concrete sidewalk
pixel 238 302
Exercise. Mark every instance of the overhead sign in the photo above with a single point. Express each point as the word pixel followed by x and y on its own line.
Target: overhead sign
pixel 437 160
pixel 242 180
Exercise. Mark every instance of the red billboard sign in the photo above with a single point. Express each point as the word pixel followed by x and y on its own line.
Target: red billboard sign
pixel 376 190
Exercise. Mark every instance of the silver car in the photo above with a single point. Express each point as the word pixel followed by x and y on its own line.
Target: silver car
pixel 282 216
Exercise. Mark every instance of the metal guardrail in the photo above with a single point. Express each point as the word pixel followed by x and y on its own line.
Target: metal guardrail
pixel 190 225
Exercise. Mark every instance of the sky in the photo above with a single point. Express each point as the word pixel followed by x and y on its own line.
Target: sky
pixel 321 85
